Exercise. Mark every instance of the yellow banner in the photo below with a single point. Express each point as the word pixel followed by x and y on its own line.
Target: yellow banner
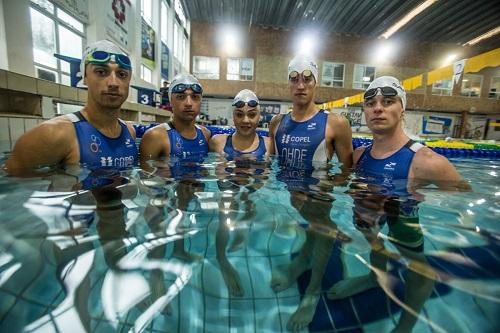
pixel 443 73
pixel 413 82
pixel 488 59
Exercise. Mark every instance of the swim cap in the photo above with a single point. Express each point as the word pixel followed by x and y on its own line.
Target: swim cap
pixel 245 95
pixel 389 81
pixel 300 63
pixel 183 79
pixel 100 45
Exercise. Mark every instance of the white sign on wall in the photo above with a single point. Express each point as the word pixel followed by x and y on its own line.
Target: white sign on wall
pixel 119 20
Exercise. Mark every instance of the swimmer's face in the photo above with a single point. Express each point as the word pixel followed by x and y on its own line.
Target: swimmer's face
pixel 108 84
pixel 186 105
pixel 246 119
pixel 383 113
pixel 302 87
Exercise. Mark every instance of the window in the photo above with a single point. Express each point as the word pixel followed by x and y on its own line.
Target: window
pixel 240 69
pixel 495 90
pixel 442 88
pixel 176 40
pixel 54 31
pixel 183 57
pixel 332 75
pixel 206 67
pixel 146 74
pixel 471 85
pixel 147 11
pixel 164 23
pixel 180 12
pixel 363 76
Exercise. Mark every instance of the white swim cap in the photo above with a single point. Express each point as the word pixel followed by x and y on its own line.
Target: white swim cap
pixel 187 79
pixel 246 95
pixel 300 63
pixel 389 81
pixel 101 45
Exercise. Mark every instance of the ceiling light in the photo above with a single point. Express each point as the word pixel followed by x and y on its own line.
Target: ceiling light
pixel 366 79
pixel 306 44
pixel 408 17
pixel 384 51
pixel 449 59
pixel 489 34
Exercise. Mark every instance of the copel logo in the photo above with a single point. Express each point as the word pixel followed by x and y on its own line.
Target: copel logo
pixel 123 161
pixel 298 139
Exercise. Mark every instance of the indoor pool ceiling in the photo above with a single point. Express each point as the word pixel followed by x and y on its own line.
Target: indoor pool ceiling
pixel 456 21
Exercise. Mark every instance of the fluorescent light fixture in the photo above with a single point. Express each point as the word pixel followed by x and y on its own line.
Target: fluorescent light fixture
pixel 489 34
pixel 407 18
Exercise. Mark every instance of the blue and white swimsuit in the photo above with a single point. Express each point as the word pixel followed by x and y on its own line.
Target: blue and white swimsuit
pixel 388 178
pixel 298 144
pixel 259 152
pixel 98 150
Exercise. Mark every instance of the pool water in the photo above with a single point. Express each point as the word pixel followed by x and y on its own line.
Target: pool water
pixel 246 246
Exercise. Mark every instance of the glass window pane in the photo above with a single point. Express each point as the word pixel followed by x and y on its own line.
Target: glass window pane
pixel 70 43
pixel 146 74
pixel 176 40
pixel 65 79
pixel 338 72
pixel 68 19
pixel 46 5
pixel 46 74
pixel 164 23
pixel 471 85
pixel 495 88
pixel 44 44
pixel 146 11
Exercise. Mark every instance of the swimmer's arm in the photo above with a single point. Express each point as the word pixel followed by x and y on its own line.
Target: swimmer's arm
pixel 48 144
pixel 339 135
pixel 217 143
pixel 429 167
pixel 269 147
pixel 272 132
pixel 342 139
pixel 131 129
pixel 206 132
pixel 357 154
pixel 154 144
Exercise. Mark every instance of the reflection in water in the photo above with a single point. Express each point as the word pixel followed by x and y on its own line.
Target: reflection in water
pixel 249 246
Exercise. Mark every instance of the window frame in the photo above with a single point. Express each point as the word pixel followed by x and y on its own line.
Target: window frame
pixel 207 75
pixel 333 79
pixel 480 85
pixel 362 83
pixel 435 90
pixel 497 93
pixel 240 76
pixel 57 22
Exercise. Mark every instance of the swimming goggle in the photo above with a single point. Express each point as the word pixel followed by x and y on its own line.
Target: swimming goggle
pixel 182 87
pixel 102 57
pixel 385 91
pixel 307 74
pixel 250 103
